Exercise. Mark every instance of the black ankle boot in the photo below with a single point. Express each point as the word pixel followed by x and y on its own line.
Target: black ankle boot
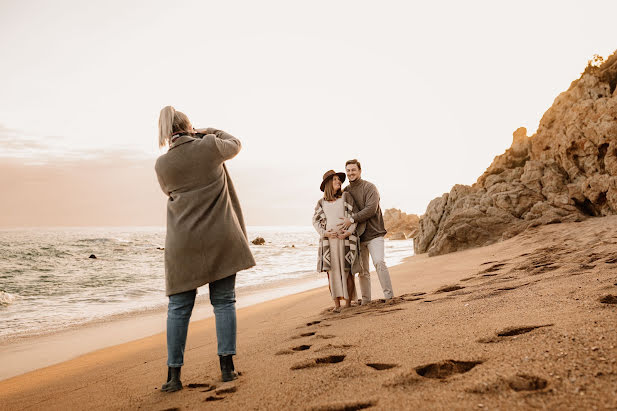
pixel 227 367
pixel 173 380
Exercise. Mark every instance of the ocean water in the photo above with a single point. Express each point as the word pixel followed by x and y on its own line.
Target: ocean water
pixel 48 282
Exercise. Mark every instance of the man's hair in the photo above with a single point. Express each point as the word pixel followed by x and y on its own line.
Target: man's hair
pixel 354 161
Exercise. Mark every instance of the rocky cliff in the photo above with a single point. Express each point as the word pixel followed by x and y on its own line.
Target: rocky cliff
pixel 400 225
pixel 567 171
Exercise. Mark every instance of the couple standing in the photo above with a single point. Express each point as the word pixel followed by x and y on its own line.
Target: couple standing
pixel 349 221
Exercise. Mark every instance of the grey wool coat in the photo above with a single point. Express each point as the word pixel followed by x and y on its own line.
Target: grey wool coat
pixel 206 237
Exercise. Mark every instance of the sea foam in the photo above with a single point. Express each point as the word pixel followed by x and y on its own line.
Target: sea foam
pixel 6 298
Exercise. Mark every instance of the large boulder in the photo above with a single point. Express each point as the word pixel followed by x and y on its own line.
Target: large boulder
pixel 567 171
pixel 400 225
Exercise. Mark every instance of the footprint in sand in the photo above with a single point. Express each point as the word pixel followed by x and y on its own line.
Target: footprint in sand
pixel 308 334
pixel 488 262
pixel 445 369
pixel 226 390
pixel 349 406
pixel 492 269
pixel 608 299
pixel 208 387
pixel 302 347
pixel 510 332
pixel 525 382
pixel 328 347
pixel 219 394
pixel 380 366
pixel 512 287
pixel 593 257
pixel 318 362
pixel 448 288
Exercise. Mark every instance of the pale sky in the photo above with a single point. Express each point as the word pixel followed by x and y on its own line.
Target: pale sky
pixel 424 94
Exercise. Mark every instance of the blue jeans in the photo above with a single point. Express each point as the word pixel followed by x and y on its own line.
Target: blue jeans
pixel 223 299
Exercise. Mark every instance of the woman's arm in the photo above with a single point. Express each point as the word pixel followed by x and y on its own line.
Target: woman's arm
pixel 160 179
pixel 227 145
pixel 320 230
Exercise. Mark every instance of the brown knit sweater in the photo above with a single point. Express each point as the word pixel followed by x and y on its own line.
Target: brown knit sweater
pixel 366 196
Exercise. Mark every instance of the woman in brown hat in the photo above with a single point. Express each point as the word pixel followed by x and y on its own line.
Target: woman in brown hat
pixel 338 249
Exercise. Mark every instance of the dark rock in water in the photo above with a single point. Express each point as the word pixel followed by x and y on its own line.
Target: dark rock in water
pixel 92 256
pixel 160 248
pixel 259 241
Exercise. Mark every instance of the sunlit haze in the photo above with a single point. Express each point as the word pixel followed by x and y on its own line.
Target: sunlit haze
pixel 424 94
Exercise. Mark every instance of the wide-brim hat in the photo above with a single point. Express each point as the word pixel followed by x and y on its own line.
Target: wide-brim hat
pixel 328 175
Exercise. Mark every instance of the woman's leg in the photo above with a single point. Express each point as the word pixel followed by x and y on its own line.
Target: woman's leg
pixel 223 299
pixel 178 315
pixel 351 289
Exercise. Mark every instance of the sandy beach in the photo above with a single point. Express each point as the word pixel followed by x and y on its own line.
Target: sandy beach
pixel 526 323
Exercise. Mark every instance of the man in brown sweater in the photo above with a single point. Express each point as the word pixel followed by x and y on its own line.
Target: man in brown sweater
pixel 366 197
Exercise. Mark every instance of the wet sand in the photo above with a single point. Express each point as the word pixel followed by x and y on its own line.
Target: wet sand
pixel 25 353
pixel 529 322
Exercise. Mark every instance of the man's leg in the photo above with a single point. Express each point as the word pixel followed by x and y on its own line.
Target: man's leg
pixel 364 277
pixel 376 249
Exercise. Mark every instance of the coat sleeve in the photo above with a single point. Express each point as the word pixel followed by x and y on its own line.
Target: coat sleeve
pixel 227 145
pixel 371 204
pixel 316 225
pixel 160 179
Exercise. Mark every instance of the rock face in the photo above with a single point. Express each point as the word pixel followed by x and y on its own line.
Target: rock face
pixel 400 225
pixel 259 241
pixel 567 171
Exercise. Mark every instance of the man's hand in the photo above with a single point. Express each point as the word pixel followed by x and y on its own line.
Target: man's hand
pixel 345 224
pixel 343 235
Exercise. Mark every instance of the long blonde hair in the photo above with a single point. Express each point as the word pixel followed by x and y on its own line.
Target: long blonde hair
pixel 170 122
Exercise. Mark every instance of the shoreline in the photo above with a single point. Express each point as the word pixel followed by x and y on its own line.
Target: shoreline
pixel 23 353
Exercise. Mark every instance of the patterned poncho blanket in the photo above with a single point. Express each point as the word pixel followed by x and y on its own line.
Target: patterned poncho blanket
pixel 352 243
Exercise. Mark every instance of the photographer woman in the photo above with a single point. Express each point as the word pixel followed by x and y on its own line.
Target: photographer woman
pixel 206 240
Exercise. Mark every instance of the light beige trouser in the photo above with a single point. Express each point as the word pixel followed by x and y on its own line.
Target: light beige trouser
pixel 375 248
